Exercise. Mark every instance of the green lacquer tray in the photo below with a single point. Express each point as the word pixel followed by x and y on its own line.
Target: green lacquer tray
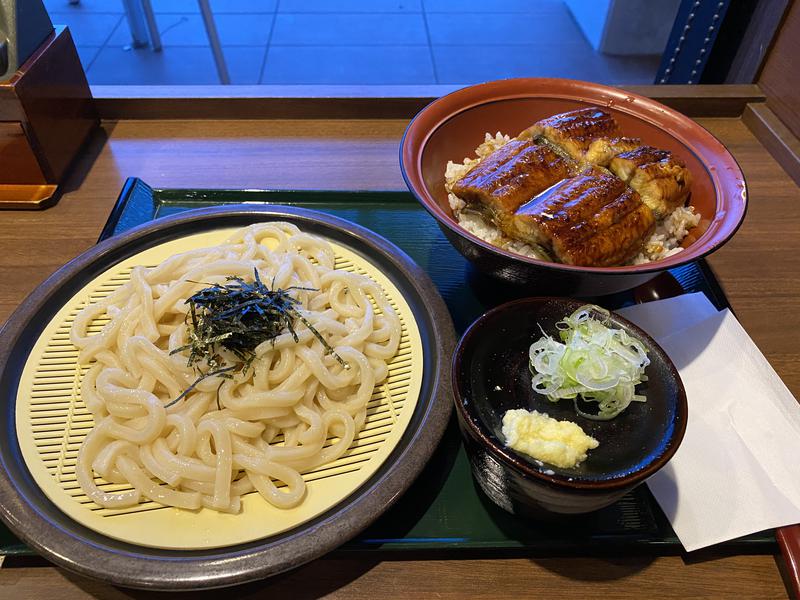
pixel 444 512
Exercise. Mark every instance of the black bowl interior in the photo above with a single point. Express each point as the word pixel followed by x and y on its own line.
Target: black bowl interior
pixel 492 376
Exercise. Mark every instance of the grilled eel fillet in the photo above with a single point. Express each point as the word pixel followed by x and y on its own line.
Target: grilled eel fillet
pixel 590 136
pixel 661 179
pixel 603 150
pixel 593 219
pixel 509 177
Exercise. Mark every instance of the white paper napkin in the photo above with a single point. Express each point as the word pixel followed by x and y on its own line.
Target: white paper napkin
pixel 666 317
pixel 738 468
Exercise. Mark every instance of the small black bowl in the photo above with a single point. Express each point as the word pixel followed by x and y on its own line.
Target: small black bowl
pixel 491 375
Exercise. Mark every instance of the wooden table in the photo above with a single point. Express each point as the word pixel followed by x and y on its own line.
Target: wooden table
pixel 759 269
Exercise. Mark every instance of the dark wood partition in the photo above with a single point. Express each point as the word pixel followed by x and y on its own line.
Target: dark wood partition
pixel 781 74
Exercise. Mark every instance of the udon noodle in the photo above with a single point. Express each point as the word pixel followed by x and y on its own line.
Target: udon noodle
pixel 295 408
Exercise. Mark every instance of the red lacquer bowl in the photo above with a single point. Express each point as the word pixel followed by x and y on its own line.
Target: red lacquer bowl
pixel 451 127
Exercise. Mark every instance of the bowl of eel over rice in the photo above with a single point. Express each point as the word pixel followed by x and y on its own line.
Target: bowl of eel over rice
pixel 579 187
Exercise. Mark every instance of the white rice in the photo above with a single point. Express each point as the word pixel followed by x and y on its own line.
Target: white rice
pixel 665 240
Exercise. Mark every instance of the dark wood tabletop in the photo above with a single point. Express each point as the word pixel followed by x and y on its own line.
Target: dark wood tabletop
pixel 759 270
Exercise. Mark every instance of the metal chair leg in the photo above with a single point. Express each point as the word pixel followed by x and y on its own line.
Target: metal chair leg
pixel 133 13
pixel 213 41
pixel 152 26
pixel 142 22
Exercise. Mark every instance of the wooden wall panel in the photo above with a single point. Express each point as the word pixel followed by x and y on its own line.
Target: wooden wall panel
pixel 780 78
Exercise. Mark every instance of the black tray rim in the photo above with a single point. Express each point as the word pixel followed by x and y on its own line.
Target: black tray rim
pixel 139 203
pixel 134 191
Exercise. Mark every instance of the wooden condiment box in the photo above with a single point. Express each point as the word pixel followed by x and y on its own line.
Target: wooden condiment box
pixel 46 115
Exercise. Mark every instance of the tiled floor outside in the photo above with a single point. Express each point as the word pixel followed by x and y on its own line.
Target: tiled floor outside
pixel 345 42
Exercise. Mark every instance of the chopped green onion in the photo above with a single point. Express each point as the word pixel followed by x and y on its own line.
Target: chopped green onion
pixel 592 362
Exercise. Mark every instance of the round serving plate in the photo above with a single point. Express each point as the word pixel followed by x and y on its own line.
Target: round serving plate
pixel 150 546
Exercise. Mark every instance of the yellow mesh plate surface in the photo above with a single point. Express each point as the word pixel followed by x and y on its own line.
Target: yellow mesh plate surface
pixel 52 421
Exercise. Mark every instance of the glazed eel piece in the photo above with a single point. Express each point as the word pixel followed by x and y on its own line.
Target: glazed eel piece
pixel 593 219
pixel 509 177
pixel 662 180
pixel 589 136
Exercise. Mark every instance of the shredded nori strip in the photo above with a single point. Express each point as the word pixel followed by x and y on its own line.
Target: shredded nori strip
pixel 238 316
